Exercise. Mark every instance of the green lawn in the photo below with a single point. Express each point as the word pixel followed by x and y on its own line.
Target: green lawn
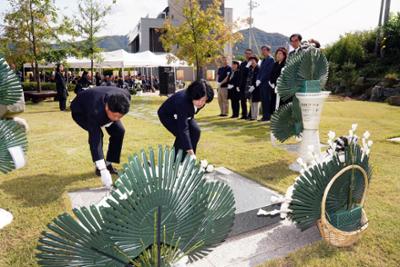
pixel 59 161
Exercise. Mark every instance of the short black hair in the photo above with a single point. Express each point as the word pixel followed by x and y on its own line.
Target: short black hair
pixel 199 89
pixel 118 103
pixel 268 47
pixel 298 35
pixel 235 62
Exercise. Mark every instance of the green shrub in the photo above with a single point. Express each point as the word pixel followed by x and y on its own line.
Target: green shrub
pixel 46 86
pixel 348 48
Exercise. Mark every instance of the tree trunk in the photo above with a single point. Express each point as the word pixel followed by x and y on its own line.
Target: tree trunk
pixel 36 70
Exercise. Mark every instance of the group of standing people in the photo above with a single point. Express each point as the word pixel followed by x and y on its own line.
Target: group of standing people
pixel 250 82
pixel 254 82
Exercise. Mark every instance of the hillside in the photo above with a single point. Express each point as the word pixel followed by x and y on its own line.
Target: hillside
pixel 114 42
pixel 275 40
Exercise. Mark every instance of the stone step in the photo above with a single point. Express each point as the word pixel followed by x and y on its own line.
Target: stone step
pixel 249 198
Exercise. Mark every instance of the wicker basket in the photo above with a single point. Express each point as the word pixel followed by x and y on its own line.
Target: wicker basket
pixel 331 234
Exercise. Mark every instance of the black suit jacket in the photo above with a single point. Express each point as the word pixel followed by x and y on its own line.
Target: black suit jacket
pixel 88 110
pixel 60 86
pixel 175 114
pixel 234 80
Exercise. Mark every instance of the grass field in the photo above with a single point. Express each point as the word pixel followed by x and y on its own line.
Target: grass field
pixel 59 161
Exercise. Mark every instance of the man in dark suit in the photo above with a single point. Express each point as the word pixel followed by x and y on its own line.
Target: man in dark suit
pixel 100 107
pixel 263 78
pixel 61 87
pixel 243 73
pixel 295 42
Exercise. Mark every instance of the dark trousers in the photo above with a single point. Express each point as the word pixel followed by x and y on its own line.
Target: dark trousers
pixel 116 132
pixel 243 104
pixel 194 131
pixel 266 102
pixel 273 102
pixel 235 106
pixel 62 103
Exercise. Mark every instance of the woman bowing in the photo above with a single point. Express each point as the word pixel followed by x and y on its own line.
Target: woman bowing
pixel 177 115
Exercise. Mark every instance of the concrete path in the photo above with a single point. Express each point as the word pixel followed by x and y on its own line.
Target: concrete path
pixel 255 248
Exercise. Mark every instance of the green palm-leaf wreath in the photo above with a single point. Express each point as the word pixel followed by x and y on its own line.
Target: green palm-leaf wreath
pixel 309 188
pixel 196 215
pixel 10 86
pixel 290 114
pixel 310 64
pixel 11 134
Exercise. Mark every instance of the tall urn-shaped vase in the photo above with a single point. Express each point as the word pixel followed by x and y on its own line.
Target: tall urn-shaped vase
pixel 311 101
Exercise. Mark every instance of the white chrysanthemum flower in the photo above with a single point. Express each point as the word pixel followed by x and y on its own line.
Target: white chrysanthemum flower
pixel 204 163
pixel 370 143
pixel 354 127
pixel 331 135
pixel 366 135
pixel 210 168
pixel 300 161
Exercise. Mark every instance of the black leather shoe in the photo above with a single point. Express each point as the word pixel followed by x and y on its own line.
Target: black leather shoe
pixel 111 169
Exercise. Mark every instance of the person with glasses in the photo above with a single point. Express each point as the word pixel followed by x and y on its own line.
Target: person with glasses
pixel 295 42
pixel 177 115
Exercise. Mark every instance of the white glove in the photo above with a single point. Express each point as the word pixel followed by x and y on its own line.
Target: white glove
pixel 237 89
pixel 248 64
pixel 230 86
pixel 105 174
pixel 251 89
pixel 271 84
pixel 258 82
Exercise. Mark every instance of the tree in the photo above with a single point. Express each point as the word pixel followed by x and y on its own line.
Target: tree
pixel 89 23
pixel 30 30
pixel 201 37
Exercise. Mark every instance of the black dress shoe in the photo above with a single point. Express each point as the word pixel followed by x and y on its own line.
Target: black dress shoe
pixel 243 118
pixel 234 116
pixel 110 168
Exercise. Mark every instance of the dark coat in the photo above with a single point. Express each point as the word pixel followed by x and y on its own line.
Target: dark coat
pixel 88 109
pixel 264 74
pixel 276 72
pixel 61 88
pixel 83 82
pixel 175 114
pixel 255 96
pixel 234 79
pixel 243 72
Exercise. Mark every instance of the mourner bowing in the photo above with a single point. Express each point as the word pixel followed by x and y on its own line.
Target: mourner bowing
pixel 100 107
pixel 178 111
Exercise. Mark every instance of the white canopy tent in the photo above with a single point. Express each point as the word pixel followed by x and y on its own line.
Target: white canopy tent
pixel 121 59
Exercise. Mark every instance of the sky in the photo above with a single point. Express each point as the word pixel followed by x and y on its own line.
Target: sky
pixel 322 20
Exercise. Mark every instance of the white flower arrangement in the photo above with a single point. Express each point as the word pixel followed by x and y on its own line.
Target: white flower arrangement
pixel 206 166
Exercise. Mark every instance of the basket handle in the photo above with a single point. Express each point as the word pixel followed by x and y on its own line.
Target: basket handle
pixel 337 175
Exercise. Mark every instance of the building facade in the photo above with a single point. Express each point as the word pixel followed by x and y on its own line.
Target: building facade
pixel 146 35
